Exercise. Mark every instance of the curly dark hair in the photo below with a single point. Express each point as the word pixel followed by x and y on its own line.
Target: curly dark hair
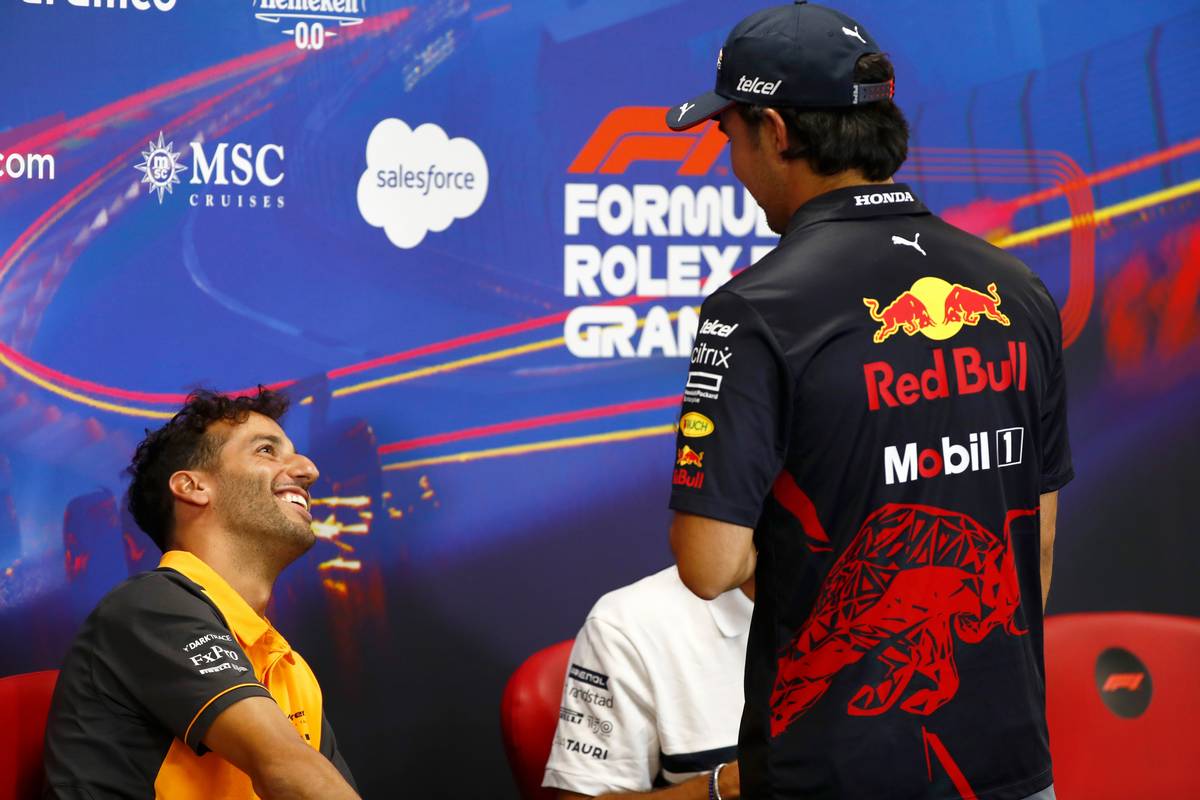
pixel 185 443
pixel 871 138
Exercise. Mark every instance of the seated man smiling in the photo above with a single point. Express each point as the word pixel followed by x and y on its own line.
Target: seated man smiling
pixel 177 686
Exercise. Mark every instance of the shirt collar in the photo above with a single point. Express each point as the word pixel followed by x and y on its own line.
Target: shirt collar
pixel 857 202
pixel 732 611
pixel 243 621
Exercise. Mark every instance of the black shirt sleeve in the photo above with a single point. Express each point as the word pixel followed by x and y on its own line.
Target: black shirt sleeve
pixel 733 424
pixel 1057 470
pixel 330 750
pixel 172 654
pixel 1055 445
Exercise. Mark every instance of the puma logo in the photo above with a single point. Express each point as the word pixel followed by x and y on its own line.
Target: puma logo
pixel 913 244
pixel 683 109
pixel 854 33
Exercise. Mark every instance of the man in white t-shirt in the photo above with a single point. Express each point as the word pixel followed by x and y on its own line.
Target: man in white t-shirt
pixel 653 695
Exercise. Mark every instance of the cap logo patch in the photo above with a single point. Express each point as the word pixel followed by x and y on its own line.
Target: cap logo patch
pixel 720 55
pixel 683 109
pixel 854 33
pixel 758 85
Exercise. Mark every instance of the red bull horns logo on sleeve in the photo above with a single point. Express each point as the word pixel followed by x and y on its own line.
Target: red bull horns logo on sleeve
pixel 936 309
pixel 689 459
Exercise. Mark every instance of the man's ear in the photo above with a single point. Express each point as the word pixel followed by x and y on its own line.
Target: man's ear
pixel 775 130
pixel 191 488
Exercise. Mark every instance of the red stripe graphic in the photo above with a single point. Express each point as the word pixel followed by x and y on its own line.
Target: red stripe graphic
pixel 793 498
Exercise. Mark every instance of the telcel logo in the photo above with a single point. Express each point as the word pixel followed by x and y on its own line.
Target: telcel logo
pixel 139 5
pixel 758 85
pixel 904 463
pixel 713 327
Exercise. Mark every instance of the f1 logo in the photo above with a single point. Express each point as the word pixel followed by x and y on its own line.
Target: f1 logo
pixel 1124 680
pixel 640 133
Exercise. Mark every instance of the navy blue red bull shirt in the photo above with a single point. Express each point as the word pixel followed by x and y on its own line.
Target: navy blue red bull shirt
pixel 882 400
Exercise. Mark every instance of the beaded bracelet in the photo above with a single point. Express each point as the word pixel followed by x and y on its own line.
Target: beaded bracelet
pixel 714 792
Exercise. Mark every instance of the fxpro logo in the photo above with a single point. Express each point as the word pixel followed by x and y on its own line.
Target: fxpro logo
pixel 904 463
pixel 627 234
pixel 311 22
pixel 137 5
pixel 225 175
pixel 29 166
pixel 419 180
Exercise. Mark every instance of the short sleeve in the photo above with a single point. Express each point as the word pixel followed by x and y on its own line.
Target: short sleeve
pixel 329 749
pixel 171 652
pixel 730 441
pixel 607 736
pixel 1055 444
pixel 1057 470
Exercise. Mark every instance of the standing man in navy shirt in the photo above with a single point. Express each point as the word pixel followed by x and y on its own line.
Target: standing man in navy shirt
pixel 874 424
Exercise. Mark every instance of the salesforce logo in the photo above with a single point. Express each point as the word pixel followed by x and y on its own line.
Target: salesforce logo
pixel 419 180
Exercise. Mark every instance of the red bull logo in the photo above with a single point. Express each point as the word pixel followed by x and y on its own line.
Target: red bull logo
pixel 690 458
pixel 954 306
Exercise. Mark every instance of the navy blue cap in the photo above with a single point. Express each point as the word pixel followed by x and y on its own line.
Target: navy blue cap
pixel 797 56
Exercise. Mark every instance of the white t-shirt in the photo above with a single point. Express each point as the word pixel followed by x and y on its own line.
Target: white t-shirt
pixel 654 689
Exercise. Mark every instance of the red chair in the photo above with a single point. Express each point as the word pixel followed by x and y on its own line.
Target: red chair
pixel 1122 701
pixel 24 704
pixel 529 715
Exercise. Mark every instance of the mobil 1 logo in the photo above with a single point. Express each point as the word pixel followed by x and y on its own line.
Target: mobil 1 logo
pixel 980 451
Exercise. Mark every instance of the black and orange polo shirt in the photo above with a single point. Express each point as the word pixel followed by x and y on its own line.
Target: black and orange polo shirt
pixel 158 660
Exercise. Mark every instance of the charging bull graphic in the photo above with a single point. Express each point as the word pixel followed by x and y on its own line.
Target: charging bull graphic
pixel 958 306
pixel 912 579
pixel 967 305
pixel 906 313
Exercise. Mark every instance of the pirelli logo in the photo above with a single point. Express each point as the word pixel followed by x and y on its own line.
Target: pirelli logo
pixel 594 679
pixel 639 133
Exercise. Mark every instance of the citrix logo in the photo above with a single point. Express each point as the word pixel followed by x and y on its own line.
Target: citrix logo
pixel 710 356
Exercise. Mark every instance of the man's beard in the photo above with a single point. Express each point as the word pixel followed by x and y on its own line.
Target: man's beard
pixel 250 509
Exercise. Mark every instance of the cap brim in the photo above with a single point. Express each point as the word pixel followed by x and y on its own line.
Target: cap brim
pixel 696 110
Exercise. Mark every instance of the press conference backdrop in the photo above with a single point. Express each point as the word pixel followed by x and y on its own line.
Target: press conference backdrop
pixel 459 236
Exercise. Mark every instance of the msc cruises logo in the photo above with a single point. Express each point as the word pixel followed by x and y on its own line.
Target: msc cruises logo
pixel 311 20
pixel 160 167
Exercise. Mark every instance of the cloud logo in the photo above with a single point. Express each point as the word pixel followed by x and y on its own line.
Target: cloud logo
pixel 419 181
